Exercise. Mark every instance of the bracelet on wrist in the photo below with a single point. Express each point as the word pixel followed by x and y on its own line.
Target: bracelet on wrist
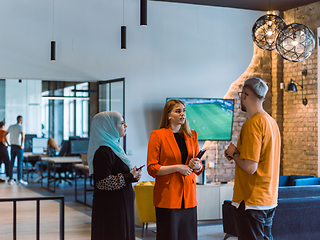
pixel 199 169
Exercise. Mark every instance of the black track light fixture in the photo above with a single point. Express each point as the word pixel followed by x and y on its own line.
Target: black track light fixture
pixel 53 51
pixel 143 12
pixel 123 37
pixel 53 42
pixel 123 32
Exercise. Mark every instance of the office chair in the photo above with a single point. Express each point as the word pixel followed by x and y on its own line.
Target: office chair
pixel 144 200
pixel 64 171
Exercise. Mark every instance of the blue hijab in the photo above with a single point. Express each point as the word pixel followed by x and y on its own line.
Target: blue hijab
pixel 105 132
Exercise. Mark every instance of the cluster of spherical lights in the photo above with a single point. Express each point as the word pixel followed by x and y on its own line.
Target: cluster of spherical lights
pixel 294 42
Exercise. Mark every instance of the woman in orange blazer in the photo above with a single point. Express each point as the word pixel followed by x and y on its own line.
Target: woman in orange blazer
pixel 172 161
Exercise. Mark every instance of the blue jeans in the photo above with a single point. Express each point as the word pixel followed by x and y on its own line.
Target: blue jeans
pixel 16 151
pixel 253 224
pixel 38 166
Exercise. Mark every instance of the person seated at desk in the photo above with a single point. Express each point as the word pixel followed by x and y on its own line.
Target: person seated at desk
pixel 52 151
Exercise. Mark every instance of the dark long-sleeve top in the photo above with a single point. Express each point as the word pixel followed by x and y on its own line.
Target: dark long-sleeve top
pixel 112 210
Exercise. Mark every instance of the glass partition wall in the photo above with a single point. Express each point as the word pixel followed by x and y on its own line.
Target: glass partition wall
pixel 65 110
pixel 58 109
pixel 111 97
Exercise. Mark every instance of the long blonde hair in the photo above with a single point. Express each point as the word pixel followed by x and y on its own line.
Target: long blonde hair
pixel 52 143
pixel 171 104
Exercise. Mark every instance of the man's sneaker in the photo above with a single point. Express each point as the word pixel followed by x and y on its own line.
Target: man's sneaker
pixel 38 180
pixel 11 181
pixel 22 182
pixel 2 180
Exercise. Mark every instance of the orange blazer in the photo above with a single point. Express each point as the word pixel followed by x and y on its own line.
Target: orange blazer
pixel 163 150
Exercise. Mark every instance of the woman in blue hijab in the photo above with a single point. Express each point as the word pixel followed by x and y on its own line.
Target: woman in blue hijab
pixel 112 208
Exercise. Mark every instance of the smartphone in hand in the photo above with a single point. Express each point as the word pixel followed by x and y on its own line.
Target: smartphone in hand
pixel 201 152
pixel 139 168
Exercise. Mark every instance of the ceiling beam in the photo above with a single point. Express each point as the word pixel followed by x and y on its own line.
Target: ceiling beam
pixel 260 5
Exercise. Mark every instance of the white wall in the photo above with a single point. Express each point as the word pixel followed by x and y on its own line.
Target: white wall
pixel 24 98
pixel 185 51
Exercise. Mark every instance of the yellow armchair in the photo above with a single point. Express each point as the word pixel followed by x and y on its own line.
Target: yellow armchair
pixel 144 200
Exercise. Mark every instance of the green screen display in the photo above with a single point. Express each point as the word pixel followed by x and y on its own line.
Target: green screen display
pixel 211 118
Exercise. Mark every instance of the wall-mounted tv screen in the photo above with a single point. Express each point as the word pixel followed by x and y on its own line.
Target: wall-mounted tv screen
pixel 211 118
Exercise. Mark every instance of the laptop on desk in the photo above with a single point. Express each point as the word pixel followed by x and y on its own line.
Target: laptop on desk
pixel 37 150
pixel 64 148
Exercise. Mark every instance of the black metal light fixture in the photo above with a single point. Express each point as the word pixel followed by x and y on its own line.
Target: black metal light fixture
pixel 265 31
pixel 123 37
pixel 84 90
pixel 54 97
pixel 53 51
pixel 143 12
pixel 53 42
pixel 293 88
pixel 123 31
pixel 295 42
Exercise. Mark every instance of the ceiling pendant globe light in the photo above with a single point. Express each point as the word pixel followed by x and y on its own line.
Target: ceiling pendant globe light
pixel 295 42
pixel 265 31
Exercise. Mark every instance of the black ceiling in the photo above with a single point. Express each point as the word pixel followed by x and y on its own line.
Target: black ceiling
pixel 262 5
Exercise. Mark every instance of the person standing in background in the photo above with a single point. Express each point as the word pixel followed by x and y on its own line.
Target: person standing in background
pixel 4 157
pixel 257 158
pixel 17 147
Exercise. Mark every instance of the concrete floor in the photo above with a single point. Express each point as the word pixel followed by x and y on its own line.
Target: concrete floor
pixel 80 216
pixel 207 230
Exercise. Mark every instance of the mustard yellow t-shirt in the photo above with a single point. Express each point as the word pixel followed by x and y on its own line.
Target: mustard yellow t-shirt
pixel 259 141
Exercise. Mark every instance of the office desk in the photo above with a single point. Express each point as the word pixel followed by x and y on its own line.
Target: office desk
pixel 84 169
pixel 55 161
pixel 29 157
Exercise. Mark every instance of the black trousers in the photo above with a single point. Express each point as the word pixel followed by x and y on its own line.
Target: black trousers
pixel 253 224
pixel 176 224
pixel 4 157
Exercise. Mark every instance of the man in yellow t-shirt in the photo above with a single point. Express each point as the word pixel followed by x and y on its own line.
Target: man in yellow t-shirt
pixel 257 158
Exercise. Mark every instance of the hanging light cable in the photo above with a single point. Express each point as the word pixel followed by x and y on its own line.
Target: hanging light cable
pixel 123 32
pixel 53 42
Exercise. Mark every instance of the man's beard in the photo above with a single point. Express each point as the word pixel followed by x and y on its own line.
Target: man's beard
pixel 243 108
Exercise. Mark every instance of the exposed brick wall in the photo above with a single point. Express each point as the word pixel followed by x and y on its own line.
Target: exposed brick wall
pixel 221 169
pixel 298 124
pixel 277 96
